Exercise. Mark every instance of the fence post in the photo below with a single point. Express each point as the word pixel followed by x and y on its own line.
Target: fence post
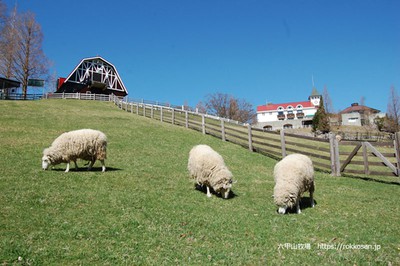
pixel 144 110
pixel 283 143
pixel 397 150
pixel 131 108
pixel 203 124
pixel 186 119
pixel 137 108
pixel 337 156
pixel 161 113
pixel 334 152
pixel 152 112
pixel 365 158
pixel 223 130
pixel 173 116
pixel 250 137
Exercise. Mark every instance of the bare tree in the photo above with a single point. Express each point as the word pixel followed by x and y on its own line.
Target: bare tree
pixel 201 108
pixel 227 106
pixel 3 12
pixel 8 45
pixel 30 60
pixel 327 101
pixel 362 100
pixel 218 104
pixel 393 111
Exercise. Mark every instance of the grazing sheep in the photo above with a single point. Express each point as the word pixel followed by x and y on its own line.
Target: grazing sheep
pixel 207 167
pixel 85 144
pixel 293 176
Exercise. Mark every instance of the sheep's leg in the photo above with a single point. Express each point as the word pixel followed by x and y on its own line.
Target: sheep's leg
pixel 76 165
pixel 67 170
pixel 312 188
pixel 91 164
pixel 208 192
pixel 103 166
pixel 298 207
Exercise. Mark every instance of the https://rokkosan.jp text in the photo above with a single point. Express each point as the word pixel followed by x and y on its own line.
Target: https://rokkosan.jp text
pixel 328 246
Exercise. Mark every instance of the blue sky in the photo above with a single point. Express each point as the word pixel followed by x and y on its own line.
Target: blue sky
pixel 178 51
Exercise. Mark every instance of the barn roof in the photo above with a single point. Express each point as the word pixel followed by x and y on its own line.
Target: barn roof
pixel 95 75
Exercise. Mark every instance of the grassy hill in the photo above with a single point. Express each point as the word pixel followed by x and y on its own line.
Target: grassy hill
pixel 144 208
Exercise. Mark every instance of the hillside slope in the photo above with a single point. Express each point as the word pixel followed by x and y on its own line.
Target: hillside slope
pixel 144 208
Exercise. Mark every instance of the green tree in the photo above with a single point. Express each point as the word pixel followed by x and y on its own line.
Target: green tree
pixel 320 120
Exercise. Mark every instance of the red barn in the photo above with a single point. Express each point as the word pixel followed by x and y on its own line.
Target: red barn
pixel 93 75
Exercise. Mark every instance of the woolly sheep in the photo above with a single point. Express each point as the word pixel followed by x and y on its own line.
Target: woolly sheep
pixel 208 168
pixel 293 176
pixel 85 144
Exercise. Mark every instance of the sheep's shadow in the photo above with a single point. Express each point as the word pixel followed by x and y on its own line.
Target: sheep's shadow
pixel 305 203
pixel 204 190
pixel 85 169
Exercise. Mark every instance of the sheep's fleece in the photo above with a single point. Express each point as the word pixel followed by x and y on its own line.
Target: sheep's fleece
pixel 208 168
pixel 293 176
pixel 85 144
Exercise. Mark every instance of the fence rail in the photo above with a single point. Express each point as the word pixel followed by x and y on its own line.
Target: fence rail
pixel 20 96
pixel 81 96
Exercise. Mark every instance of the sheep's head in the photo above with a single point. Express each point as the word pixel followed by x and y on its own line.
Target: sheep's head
pixel 225 184
pixel 285 202
pixel 46 160
pixel 226 189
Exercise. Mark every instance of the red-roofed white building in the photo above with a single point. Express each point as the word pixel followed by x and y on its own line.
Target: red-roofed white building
pixel 288 115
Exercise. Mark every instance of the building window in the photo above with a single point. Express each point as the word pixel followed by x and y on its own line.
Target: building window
pixel 267 128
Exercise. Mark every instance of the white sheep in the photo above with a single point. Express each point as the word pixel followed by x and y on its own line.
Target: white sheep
pixel 293 176
pixel 208 168
pixel 85 144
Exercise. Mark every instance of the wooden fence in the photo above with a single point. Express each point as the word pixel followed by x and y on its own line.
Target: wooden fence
pixel 330 155
pixel 20 96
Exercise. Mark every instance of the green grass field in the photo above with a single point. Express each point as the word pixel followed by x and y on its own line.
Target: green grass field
pixel 144 209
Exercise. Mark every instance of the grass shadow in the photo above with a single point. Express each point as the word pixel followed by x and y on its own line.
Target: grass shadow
pixel 204 190
pixel 371 179
pixel 84 169
pixel 305 203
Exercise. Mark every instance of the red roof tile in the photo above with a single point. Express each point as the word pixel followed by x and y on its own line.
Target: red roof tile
pixel 274 107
